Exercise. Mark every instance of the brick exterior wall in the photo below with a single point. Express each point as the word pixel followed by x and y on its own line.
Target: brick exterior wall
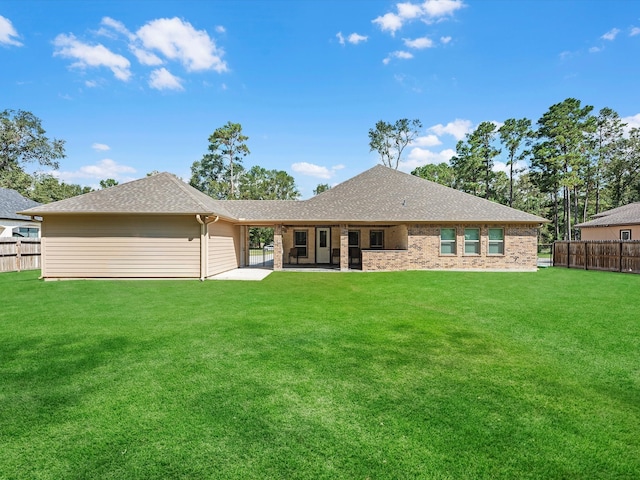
pixel 385 260
pixel 520 249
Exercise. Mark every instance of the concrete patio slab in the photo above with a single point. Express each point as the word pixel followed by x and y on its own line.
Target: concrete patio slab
pixel 250 274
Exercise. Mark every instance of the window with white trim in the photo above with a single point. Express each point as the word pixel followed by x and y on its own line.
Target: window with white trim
pixel 625 234
pixel 472 241
pixel 447 241
pixel 496 241
pixel 354 238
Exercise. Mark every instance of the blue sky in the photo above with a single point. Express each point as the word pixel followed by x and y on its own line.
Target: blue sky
pixel 139 86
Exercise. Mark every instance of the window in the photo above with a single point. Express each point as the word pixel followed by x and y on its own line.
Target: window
pixel 300 242
pixel 376 239
pixel 625 234
pixel 26 232
pixel 447 241
pixel 354 238
pixel 472 241
pixel 496 241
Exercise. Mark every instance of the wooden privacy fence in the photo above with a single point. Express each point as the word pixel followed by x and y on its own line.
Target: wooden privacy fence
pixel 607 255
pixel 18 254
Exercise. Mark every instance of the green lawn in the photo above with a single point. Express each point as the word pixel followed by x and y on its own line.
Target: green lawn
pixel 443 375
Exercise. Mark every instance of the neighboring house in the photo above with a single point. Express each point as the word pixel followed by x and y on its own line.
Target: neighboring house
pixel 382 219
pixel 13 224
pixel 622 223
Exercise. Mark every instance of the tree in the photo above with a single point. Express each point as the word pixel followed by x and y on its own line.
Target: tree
pixel 473 164
pixel 47 188
pixel 18 180
pixel 440 173
pixel 109 182
pixel 23 140
pixel 391 140
pixel 622 170
pixel 515 135
pixel 561 155
pixel 218 173
pixel 322 187
pixel 261 184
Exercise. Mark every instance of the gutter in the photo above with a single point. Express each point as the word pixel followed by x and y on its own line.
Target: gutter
pixel 204 243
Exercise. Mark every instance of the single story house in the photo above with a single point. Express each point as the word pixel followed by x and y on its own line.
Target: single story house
pixel 382 219
pixel 13 224
pixel 621 223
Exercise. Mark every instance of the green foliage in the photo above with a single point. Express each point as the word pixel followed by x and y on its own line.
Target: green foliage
pixel 322 376
pixel 218 173
pixel 440 173
pixel 515 135
pixel 261 184
pixel 391 140
pixel 23 140
pixel 109 182
pixel 47 189
pixel 473 164
pixel 322 187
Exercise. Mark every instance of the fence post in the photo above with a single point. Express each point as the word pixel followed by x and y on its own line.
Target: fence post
pixel 620 256
pixel 18 257
pixel 569 254
pixel 586 256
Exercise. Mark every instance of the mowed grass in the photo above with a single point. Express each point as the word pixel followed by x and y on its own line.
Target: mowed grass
pixel 437 375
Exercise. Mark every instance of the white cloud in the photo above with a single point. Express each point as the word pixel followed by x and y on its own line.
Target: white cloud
pixel 100 147
pixel 86 55
pixel 105 168
pixel 312 170
pixel 355 38
pixel 426 141
pixel 419 43
pixel 145 57
pixel 117 26
pixel 428 11
pixel 457 129
pixel 220 29
pixel 398 54
pixel 632 121
pixel 340 38
pixel 611 34
pixel 8 34
pixel 178 40
pixel 595 49
pixel 91 84
pixel 162 79
pixel 503 167
pixel 634 31
pixel 445 40
pixel 418 157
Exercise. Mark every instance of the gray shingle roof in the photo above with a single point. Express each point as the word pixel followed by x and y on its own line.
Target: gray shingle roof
pixel 163 193
pixel 380 194
pixel 12 202
pixel 625 215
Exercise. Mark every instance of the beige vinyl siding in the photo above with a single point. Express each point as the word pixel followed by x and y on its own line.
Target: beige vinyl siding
pixel 121 246
pixel 224 247
pixel 609 233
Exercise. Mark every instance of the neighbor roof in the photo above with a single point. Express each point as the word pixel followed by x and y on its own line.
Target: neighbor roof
pixel 380 194
pixel 625 215
pixel 162 193
pixel 12 202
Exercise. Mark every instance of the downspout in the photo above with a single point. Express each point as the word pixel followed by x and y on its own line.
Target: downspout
pixel 204 244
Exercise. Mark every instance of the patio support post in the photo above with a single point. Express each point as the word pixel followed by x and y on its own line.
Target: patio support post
pixel 344 247
pixel 277 248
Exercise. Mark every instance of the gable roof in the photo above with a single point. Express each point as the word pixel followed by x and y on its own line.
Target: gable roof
pixel 379 194
pixel 12 202
pixel 624 215
pixel 158 194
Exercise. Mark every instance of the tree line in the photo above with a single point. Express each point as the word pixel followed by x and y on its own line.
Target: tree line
pixel 571 165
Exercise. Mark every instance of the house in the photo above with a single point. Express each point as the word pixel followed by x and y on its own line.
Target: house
pixel 382 219
pixel 13 224
pixel 622 223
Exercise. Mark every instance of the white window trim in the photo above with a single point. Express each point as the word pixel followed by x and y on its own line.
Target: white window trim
pixel 490 242
pixel 477 242
pixel 449 242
